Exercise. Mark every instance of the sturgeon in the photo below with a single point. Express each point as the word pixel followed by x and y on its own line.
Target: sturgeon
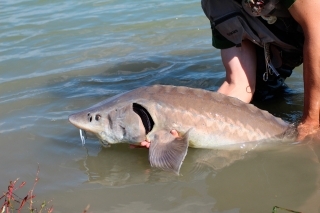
pixel 203 119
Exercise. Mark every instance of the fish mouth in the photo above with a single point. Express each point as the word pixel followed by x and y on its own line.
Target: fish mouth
pixel 83 137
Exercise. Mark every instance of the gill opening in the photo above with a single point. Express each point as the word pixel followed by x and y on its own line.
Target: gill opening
pixel 145 116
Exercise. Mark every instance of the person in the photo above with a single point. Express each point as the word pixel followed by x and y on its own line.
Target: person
pixel 261 42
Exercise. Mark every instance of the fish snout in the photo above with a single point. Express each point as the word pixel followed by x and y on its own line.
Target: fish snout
pixel 80 120
pixel 73 119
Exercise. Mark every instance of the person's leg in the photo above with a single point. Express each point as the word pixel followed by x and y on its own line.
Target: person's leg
pixel 240 65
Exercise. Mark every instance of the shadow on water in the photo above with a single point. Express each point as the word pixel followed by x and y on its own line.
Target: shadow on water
pixel 287 104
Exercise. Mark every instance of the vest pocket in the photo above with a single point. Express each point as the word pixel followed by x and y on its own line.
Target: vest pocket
pixel 235 29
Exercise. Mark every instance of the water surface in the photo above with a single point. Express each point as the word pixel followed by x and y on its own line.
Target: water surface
pixel 57 57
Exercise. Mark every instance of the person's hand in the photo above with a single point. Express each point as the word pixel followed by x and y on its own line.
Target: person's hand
pixel 143 144
pixel 306 130
pixel 146 144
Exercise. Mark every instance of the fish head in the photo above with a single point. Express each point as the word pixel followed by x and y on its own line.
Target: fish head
pixel 111 124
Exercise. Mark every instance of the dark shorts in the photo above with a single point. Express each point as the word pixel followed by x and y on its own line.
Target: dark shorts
pixel 275 85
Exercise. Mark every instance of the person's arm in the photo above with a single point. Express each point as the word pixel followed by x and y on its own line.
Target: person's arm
pixel 240 65
pixel 306 13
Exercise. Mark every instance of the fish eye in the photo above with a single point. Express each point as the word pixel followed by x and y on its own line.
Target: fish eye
pixel 97 117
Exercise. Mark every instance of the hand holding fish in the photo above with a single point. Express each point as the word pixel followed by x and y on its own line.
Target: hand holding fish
pixel 146 143
pixel 143 144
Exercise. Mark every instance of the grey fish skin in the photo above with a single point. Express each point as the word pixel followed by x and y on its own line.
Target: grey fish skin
pixel 202 118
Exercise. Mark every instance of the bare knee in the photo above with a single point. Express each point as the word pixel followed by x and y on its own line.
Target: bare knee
pixel 240 64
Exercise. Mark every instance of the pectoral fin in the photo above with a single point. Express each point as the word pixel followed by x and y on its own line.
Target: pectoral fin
pixel 168 152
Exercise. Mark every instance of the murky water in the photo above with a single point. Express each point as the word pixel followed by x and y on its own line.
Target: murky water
pixel 57 57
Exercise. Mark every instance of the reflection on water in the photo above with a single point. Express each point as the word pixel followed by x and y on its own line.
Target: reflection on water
pixel 120 166
pixel 234 180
